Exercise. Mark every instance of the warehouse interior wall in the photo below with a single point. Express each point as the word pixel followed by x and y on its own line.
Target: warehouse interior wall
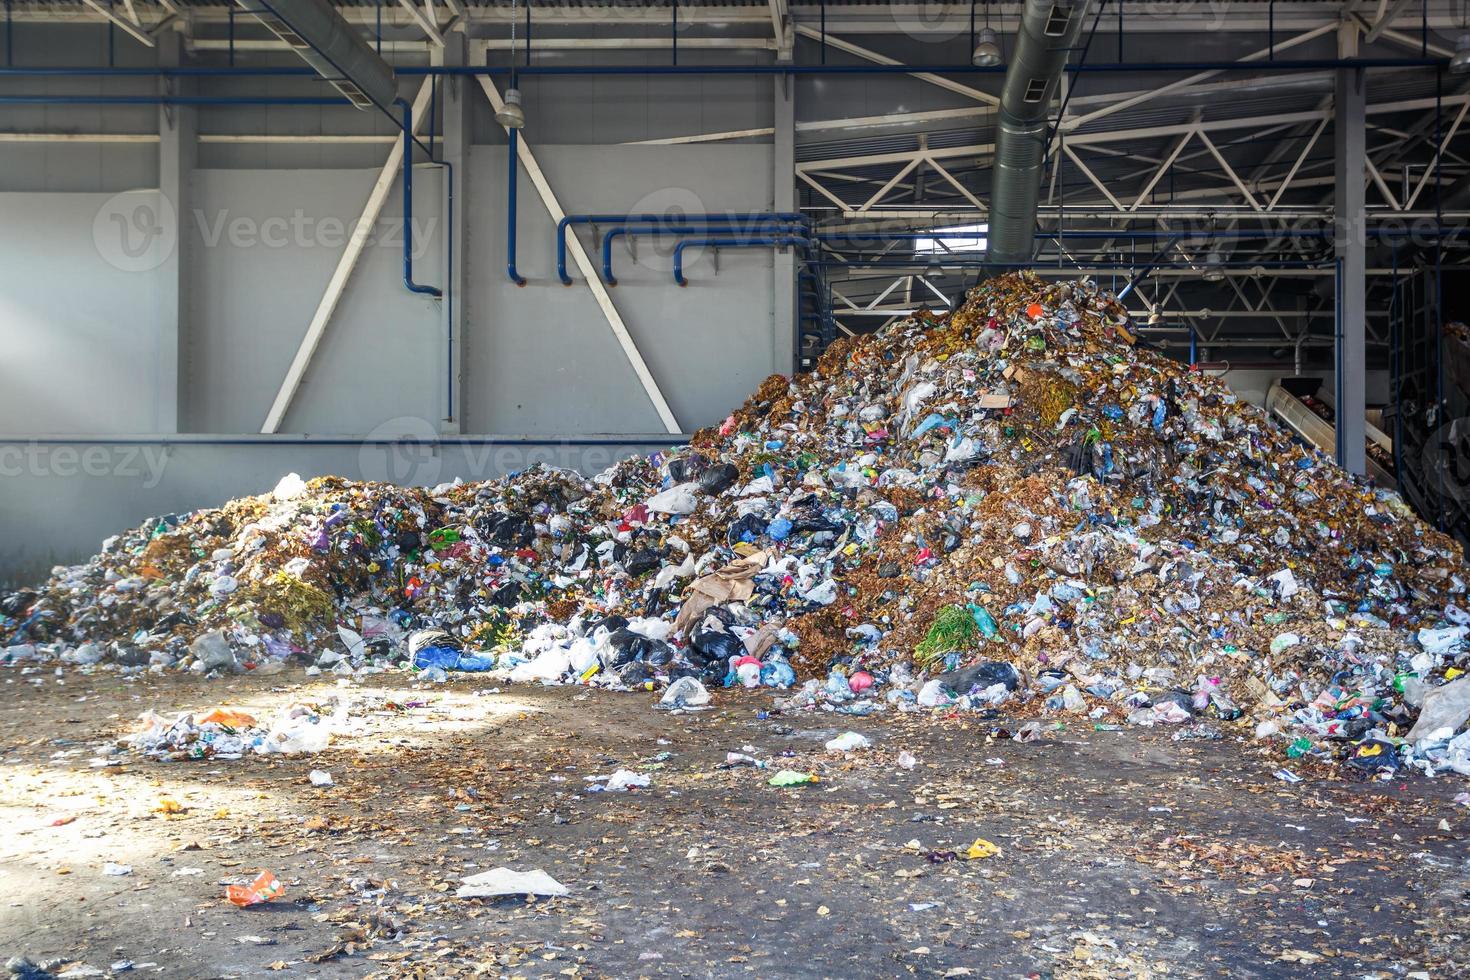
pixel 91 352
pixel 81 336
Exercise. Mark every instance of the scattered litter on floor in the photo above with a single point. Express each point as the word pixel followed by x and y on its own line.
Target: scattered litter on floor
pixel 264 888
pixel 226 734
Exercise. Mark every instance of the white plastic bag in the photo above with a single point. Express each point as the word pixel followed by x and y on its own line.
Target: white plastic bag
pixel 686 692
pixel 503 881
pixel 680 499
pixel 847 742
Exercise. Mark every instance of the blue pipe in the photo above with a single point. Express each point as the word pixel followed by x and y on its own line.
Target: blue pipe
pixel 1318 64
pixel 513 154
pixel 763 228
pixel 1339 442
pixel 670 439
pixel 959 262
pixel 408 282
pixel 729 243
pixel 449 296
pixel 1299 65
pixel 656 219
pixel 164 100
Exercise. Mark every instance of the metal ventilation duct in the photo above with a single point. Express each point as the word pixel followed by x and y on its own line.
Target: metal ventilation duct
pixel 1049 31
pixel 315 31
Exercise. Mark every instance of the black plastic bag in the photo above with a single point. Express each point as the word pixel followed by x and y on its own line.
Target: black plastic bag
pixel 641 562
pixel 507 530
pixel 688 467
pixel 718 478
pixel 977 677
pixel 751 524
pixel 636 673
pixel 622 643
pixel 717 645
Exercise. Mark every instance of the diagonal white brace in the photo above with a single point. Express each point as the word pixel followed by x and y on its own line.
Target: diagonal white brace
pixel 589 273
pixel 124 25
pixel 377 197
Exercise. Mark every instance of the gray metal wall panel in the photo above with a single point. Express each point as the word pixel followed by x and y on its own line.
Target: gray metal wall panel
pixel 80 335
pixel 381 356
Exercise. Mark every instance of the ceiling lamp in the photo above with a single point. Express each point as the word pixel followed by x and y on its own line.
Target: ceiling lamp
pixel 510 114
pixel 1214 268
pixel 987 50
pixel 1460 63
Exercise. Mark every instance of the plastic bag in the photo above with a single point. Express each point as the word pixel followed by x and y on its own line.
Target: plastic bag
pixel 504 881
pixel 847 742
pixel 675 500
pixel 686 692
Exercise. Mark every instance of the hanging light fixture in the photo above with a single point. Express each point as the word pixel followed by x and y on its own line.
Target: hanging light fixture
pixel 934 270
pixel 510 114
pixel 1214 268
pixel 987 50
pixel 987 42
pixel 1460 63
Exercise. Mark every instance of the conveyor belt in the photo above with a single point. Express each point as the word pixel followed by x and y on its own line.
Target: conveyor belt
pixel 1317 432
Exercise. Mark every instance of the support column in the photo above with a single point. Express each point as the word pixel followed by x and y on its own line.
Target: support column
pixel 784 307
pixel 177 157
pixel 1350 176
pixel 454 97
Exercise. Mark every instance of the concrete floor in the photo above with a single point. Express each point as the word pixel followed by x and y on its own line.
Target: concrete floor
pixel 1122 854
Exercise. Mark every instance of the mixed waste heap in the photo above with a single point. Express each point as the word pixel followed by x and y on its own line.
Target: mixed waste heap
pixel 1014 504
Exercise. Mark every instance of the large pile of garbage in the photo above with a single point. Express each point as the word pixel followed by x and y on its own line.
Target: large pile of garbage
pixel 1014 503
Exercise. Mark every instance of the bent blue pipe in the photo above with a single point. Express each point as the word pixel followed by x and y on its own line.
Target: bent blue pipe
pixel 412 286
pixel 645 219
pixel 730 243
pixel 513 153
pixel 691 228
